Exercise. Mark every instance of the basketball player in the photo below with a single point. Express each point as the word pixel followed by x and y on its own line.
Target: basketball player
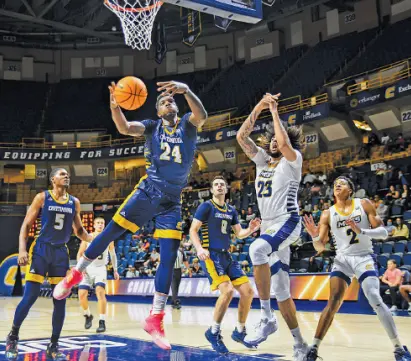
pixel 353 223
pixel 96 274
pixel 169 151
pixel 48 255
pixel 224 274
pixel 278 176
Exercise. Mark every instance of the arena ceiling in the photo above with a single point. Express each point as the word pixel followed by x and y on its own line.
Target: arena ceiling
pixel 80 23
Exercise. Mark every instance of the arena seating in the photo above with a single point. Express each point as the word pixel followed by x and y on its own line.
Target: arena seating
pixel 21 106
pixel 388 48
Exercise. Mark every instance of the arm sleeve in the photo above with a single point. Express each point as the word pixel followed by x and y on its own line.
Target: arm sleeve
pixel 149 124
pixel 203 212
pixel 261 158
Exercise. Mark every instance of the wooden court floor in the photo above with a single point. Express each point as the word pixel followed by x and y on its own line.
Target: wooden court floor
pixel 352 337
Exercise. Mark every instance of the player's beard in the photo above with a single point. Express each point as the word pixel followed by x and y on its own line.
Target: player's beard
pixel 276 154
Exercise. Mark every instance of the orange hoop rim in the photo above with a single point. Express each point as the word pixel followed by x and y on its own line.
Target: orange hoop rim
pixel 133 10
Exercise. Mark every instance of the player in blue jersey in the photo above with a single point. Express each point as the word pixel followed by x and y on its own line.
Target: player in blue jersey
pixel 216 219
pixel 48 255
pixel 169 151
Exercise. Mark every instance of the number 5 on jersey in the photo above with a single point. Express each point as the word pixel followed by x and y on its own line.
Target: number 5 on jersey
pixel 59 222
pixel 175 153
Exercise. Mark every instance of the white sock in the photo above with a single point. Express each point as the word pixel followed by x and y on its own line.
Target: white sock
pixel 159 303
pixel 87 312
pixel 317 342
pixel 266 309
pixel 102 317
pixel 409 304
pixel 83 263
pixel 240 327
pixel 298 338
pixel 215 328
pixel 396 343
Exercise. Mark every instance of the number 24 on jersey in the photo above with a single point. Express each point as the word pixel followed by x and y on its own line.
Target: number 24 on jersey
pixel 174 150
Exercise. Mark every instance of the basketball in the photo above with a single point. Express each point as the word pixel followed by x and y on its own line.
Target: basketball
pixel 130 93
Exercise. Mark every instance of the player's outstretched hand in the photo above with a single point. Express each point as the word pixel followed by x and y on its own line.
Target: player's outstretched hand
pixel 116 276
pixel 23 258
pixel 351 223
pixel 309 224
pixel 172 87
pixel 273 101
pixel 203 254
pixel 254 224
pixel 113 102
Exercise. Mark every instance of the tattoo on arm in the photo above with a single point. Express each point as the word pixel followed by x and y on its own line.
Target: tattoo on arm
pixel 243 135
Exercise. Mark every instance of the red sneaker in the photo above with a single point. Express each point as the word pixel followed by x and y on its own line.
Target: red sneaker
pixel 63 288
pixel 154 326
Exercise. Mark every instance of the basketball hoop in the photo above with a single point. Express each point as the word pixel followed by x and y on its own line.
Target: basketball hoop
pixel 137 20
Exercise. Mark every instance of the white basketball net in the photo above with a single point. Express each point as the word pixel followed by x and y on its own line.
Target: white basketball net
pixel 137 20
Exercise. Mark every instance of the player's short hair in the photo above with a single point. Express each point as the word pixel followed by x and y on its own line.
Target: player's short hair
pixel 161 97
pixel 220 177
pixel 393 261
pixel 294 132
pixel 54 172
pixel 348 180
pixel 99 217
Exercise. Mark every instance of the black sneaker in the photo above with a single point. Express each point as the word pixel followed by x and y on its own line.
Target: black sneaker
pixel 313 354
pixel 101 326
pixel 12 351
pixel 89 321
pixel 54 354
pixel 178 305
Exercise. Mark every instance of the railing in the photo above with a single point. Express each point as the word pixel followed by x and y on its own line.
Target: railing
pixel 370 72
pixel 285 106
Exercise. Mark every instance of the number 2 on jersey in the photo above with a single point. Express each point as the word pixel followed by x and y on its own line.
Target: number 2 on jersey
pixel 264 189
pixel 353 235
pixel 59 222
pixel 175 153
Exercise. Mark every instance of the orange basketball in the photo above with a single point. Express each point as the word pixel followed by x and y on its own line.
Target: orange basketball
pixel 130 93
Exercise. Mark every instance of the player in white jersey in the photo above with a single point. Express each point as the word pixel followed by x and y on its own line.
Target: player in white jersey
pixel 96 275
pixel 278 177
pixel 353 223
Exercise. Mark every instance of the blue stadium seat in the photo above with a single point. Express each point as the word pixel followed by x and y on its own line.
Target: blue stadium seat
pixel 407 259
pixel 120 243
pixel 381 271
pixel 377 248
pixel 383 259
pixel 319 262
pixel 406 216
pixel 243 256
pixel 246 248
pixel 396 211
pixel 126 250
pixel 235 256
pixel 399 247
pixel 387 247
pixel 409 246
pixel 397 257
pixel 127 242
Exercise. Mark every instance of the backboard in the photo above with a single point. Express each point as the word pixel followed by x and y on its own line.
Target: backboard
pixel 247 11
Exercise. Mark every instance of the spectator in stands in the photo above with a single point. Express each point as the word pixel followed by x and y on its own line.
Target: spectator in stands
pixel 385 140
pixel 400 143
pixel 196 267
pixel 145 245
pixel 316 213
pixel 352 173
pixel 360 192
pixel 153 260
pixel 390 228
pixel 312 265
pixel 405 291
pixel 322 177
pixel 309 178
pixel 131 272
pixel 404 194
pixel 246 268
pixel 401 231
pixel 250 214
pixel 382 210
pixel 307 207
pixel 392 278
pixel 392 194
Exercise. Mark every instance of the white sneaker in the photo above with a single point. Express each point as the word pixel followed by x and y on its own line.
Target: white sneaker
pixel 300 352
pixel 409 308
pixel 262 330
pixel 394 308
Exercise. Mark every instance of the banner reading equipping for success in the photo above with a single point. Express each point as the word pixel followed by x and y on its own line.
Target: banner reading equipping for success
pixel 374 96
pixel 303 287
